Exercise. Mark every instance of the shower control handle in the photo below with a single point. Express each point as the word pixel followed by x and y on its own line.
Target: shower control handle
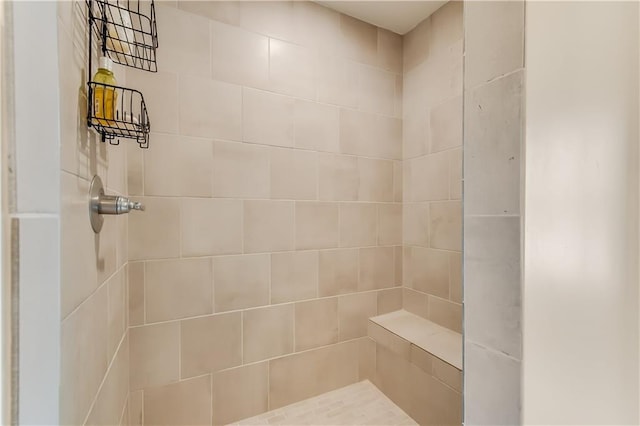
pixel 115 204
pixel 100 204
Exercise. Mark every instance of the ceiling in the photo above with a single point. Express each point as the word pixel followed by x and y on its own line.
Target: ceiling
pixel 397 16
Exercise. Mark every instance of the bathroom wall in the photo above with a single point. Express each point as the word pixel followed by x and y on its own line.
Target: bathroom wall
pixel 427 388
pixel 581 233
pixel 493 140
pixel 273 188
pixel 94 345
pixel 432 161
pixel 30 215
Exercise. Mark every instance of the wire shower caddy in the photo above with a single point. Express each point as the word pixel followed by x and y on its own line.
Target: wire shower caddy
pixel 126 32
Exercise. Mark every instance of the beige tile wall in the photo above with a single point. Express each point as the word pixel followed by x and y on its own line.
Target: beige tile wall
pixel 273 228
pixel 94 381
pixel 432 172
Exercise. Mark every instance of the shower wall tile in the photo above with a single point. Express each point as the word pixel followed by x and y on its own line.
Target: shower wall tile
pixel 296 377
pixel 354 311
pixel 239 56
pixel 492 170
pixel 492 51
pixel 291 69
pixel 375 180
pixel 317 225
pixel 185 46
pixel 316 126
pixel 294 174
pixel 274 221
pixel 415 302
pixel 83 348
pixel 93 290
pixel 389 300
pixel 455 277
pixel 415 224
pixel 445 313
pixel 432 100
pixel 445 225
pixel 274 19
pixel 316 26
pixel 227 12
pixel 358 224
pixel 160 95
pixel 390 224
pixel 337 80
pixel 267 332
pixel 178 288
pixel 107 408
pixel 209 108
pixel 241 281
pixel 267 118
pixel 240 170
pixel 427 270
pixel 183 403
pixel 156 233
pixel 210 226
pixel 500 404
pixel 446 125
pixel 446 26
pixel 178 166
pixel 116 311
pixel 135 404
pixel 135 170
pixel 359 40
pixel 429 177
pixel 79 268
pixel 389 51
pixel 268 226
pixel 398 183
pixel 135 296
pixel 370 135
pixel 415 45
pixel 154 355
pixel 211 343
pixel 316 323
pixel 376 90
pixel 455 174
pixel 240 393
pixel 493 253
pixel 376 268
pixel 294 276
pixel 338 177
pixel 338 272
pixel 493 132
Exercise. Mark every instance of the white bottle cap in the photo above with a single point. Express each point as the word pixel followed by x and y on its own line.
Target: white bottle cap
pixel 105 63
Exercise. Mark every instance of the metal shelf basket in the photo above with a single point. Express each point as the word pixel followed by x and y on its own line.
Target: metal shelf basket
pixel 117 112
pixel 127 31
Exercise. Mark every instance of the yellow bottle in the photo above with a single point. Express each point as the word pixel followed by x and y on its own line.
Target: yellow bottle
pixel 105 98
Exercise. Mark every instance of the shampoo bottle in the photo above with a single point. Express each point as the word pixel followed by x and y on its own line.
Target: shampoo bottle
pixel 105 97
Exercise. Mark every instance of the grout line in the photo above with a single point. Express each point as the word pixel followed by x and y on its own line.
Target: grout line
pixel 253 308
pixel 104 378
pixel 89 296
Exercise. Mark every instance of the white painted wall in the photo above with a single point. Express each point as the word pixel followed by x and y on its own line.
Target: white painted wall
pixel 580 363
pixel 35 212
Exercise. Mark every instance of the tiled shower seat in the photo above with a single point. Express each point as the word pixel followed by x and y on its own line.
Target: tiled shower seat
pixel 399 330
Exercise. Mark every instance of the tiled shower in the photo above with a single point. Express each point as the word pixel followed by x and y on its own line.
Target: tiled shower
pixel 304 175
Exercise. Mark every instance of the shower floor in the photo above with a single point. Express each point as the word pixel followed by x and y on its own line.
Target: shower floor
pixel 358 404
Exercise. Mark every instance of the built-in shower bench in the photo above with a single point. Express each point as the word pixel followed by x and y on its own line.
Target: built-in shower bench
pixel 418 365
pixel 406 334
